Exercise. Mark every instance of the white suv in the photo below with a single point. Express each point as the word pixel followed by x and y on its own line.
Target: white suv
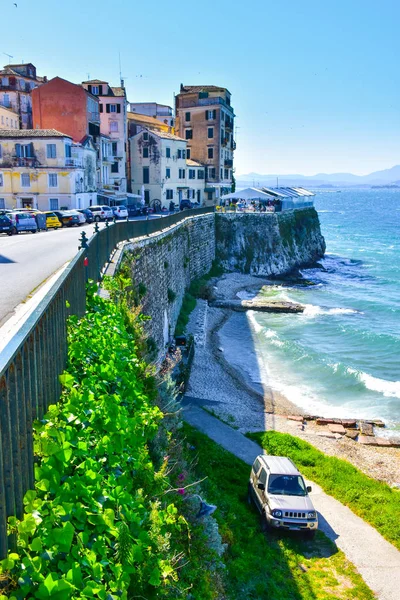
pixel 281 495
pixel 101 213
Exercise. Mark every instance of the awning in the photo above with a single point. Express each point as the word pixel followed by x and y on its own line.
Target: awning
pixel 209 189
pixel 182 187
pixel 248 194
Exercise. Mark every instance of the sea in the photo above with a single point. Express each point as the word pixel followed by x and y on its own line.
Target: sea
pixel 341 357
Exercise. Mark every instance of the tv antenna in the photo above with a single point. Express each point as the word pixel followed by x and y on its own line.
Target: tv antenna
pixel 9 56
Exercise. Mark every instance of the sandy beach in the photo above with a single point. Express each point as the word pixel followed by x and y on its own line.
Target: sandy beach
pixel 250 404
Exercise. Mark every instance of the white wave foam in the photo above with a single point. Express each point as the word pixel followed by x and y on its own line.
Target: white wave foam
pixel 389 389
pixel 312 310
pixel 256 326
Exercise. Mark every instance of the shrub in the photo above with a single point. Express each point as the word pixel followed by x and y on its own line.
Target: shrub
pixel 171 295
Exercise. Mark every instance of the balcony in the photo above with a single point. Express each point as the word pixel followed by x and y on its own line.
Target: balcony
pixel 228 163
pixel 233 145
pixel 22 161
pixel 190 102
pixel 93 117
pixel 229 125
pixel 73 162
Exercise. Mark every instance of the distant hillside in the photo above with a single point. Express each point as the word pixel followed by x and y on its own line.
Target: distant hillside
pixel 386 176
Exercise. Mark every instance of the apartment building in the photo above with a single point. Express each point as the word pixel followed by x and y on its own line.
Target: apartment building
pixel 113 123
pixel 205 119
pixel 8 118
pixel 160 167
pixel 161 112
pixel 16 85
pixel 45 169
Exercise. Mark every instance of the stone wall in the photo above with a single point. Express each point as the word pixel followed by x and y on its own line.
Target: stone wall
pixel 163 266
pixel 268 243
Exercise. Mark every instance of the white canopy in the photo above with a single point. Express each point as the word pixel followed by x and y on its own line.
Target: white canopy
pixel 248 194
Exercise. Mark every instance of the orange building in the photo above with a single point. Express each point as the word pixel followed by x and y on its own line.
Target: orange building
pixel 67 107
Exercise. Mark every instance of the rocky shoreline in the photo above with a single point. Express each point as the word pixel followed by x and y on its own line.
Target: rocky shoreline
pixel 222 390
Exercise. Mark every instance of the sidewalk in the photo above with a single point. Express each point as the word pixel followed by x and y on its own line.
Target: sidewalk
pixel 377 561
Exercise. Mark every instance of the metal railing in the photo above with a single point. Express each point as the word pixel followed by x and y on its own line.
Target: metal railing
pixel 32 361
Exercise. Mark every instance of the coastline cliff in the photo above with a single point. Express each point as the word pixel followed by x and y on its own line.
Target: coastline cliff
pixel 268 243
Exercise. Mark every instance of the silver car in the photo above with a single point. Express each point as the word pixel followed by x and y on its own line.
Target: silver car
pixel 281 495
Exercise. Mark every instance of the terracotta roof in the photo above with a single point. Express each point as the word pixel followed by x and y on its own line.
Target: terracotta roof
pixel 167 136
pixel 31 133
pixel 118 91
pixel 202 88
pixel 145 120
pixel 8 71
pixel 95 81
pixel 193 163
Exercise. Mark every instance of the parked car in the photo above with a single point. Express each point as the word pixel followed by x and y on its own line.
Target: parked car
pixel 102 212
pixel 184 204
pixel 120 212
pixel 279 492
pixel 6 225
pixel 137 209
pixel 81 216
pixel 23 221
pixel 87 214
pixel 52 221
pixel 67 218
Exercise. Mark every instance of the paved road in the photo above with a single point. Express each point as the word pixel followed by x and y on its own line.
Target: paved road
pixel 27 260
pixel 377 561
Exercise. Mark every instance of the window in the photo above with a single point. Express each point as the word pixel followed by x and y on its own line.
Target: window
pixel 210 132
pixel 183 153
pixel 211 115
pixel 95 89
pixel 200 174
pixel 115 148
pixel 1 180
pixel 24 150
pixel 114 167
pixel 53 203
pixel 209 195
pixel 146 175
pixel 188 134
pixel 113 108
pixel 211 172
pixel 192 174
pixel 262 478
pixel 1 152
pixel 145 152
pixel 179 153
pixel 210 152
pixel 182 174
pixel 226 174
pixel 168 152
pixel 187 116
pixel 6 100
pixel 4 81
pixel 2 203
pixel 188 153
pixel 168 173
pixel 170 194
pixel 114 126
pixel 68 150
pixel 53 180
pixel 145 135
pixel 222 173
pixel 51 151
pixel 25 180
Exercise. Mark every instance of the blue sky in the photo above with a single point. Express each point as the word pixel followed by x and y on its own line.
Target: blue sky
pixel 315 84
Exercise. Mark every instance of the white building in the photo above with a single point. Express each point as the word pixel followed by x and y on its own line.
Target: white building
pixel 159 164
pixel 161 112
pixel 113 123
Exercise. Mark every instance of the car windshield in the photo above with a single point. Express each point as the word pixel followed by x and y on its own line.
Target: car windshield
pixel 286 485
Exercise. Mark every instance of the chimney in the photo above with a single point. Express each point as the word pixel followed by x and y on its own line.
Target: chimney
pixel 181 87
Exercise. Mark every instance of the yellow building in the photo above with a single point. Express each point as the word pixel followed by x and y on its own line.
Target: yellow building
pixel 8 118
pixel 45 169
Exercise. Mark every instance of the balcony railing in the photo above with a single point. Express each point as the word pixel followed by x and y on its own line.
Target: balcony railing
pixel 23 161
pixel 228 163
pixel 73 162
pixel 93 117
pixel 189 102
pixel 233 145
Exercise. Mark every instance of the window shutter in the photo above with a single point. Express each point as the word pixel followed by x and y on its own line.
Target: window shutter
pixel 101 108
pixel 206 115
pixel 30 150
pixel 118 108
pixel 214 114
pixel 89 88
pixel 107 108
pixel 100 90
pixel 18 150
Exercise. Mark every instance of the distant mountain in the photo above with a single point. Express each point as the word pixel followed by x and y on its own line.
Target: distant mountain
pixel 384 177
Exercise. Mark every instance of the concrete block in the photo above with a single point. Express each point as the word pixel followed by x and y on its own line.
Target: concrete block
pixel 295 418
pixel 366 428
pixel 366 440
pixel 336 428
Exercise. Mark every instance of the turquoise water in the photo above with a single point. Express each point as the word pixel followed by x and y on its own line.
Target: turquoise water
pixel 342 356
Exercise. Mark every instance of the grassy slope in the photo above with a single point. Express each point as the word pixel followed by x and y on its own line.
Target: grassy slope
pixel 278 567
pixel 374 501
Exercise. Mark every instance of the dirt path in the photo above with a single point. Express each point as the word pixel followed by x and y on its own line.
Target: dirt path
pixel 377 561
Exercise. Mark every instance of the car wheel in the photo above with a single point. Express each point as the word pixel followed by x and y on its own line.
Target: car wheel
pixel 97 219
pixel 265 526
pixel 34 230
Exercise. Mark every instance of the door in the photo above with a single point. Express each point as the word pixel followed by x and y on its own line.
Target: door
pixel 27 202
pixel 198 196
pixel 260 494
pixel 147 197
pixel 180 195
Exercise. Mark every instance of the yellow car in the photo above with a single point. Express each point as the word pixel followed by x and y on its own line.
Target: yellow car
pixel 52 220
